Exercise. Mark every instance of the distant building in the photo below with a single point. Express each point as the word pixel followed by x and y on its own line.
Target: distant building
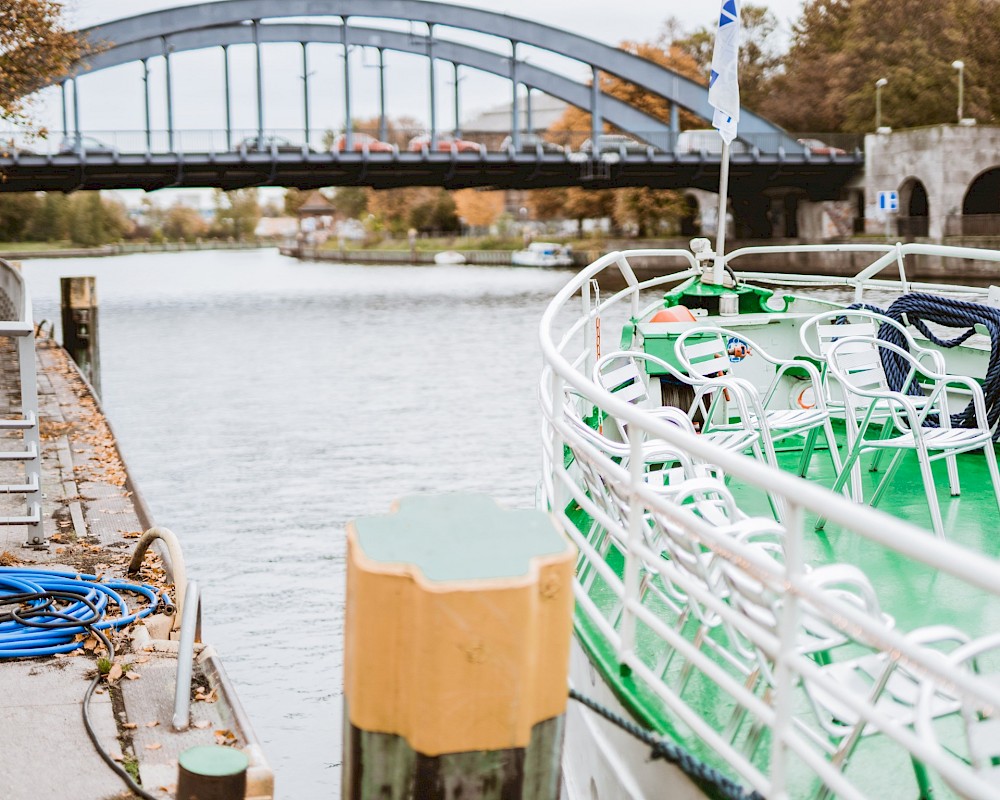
pixel 545 112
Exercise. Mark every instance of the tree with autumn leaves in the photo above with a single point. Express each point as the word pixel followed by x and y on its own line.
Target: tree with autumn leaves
pixel 35 47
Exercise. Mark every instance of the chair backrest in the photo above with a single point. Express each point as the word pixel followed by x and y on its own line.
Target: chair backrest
pixel 857 364
pixel 704 353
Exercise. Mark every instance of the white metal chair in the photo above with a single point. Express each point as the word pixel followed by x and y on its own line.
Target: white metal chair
pixel 980 720
pixel 856 364
pixel 818 334
pixel 876 676
pixel 704 352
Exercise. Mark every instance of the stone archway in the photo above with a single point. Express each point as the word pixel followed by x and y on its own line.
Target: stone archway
pixel 914 210
pixel 981 205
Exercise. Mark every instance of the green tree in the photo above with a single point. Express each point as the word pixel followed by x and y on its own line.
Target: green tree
pixel 94 220
pixel 650 212
pixel 841 47
pixel 236 213
pixel 51 222
pixel 351 201
pixel 184 222
pixel 16 212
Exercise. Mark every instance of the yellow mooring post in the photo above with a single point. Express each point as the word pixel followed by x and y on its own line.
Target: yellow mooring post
pixel 457 633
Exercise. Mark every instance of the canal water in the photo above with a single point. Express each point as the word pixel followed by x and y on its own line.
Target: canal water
pixel 263 402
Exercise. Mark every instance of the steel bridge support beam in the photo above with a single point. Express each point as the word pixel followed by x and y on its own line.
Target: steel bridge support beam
pixel 76 112
pixel 596 123
pixel 145 92
pixel 430 58
pixel 229 100
pixel 458 124
pixel 528 124
pixel 515 121
pixel 383 123
pixel 305 89
pixel 170 97
pixel 348 127
pixel 260 84
pixel 65 111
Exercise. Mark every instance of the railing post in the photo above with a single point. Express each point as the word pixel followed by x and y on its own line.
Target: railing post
pixel 630 596
pixel 784 675
pixel 79 324
pixel 456 651
pixel 558 490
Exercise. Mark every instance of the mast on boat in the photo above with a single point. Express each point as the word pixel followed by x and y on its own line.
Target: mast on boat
pixel 724 97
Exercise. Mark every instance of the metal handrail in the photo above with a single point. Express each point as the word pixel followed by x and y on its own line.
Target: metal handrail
pixel 176 559
pixel 562 372
pixel 190 633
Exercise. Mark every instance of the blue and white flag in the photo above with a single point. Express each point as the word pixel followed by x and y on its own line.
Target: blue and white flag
pixel 723 85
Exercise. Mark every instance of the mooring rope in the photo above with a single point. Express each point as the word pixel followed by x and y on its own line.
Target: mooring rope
pixel 713 782
pixel 918 309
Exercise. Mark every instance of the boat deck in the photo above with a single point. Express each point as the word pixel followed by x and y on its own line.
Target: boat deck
pixel 915 595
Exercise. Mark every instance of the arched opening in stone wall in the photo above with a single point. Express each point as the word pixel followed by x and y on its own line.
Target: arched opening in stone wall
pixel 914 210
pixel 980 206
pixel 690 219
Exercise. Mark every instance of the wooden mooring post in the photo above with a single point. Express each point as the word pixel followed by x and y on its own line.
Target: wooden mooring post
pixel 457 636
pixel 79 324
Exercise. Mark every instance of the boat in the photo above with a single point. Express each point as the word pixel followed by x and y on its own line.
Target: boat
pixel 746 623
pixel 543 254
pixel 449 257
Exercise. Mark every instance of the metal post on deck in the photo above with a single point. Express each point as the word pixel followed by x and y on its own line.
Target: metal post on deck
pixel 348 132
pixel 458 124
pixel 80 326
pixel 488 593
pixel 65 111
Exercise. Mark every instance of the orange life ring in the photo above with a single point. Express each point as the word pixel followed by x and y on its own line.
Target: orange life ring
pixel 674 314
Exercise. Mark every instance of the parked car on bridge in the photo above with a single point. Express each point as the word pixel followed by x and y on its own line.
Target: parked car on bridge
pixel 706 140
pixel 271 144
pixel 614 143
pixel 818 148
pixel 360 142
pixel 444 144
pixel 87 145
pixel 530 143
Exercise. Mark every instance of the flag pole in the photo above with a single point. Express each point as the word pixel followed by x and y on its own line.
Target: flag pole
pixel 720 236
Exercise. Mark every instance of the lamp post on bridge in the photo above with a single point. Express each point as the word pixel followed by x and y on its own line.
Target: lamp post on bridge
pixel 960 66
pixel 878 102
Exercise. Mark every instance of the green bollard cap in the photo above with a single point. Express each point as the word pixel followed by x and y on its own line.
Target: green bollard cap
pixel 213 760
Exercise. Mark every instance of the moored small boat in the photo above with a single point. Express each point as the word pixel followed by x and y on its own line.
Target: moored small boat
pixel 449 257
pixel 543 254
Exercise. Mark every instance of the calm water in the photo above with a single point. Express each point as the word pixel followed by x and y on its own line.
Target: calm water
pixel 262 403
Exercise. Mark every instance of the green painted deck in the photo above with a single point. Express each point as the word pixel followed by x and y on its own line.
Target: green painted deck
pixel 914 594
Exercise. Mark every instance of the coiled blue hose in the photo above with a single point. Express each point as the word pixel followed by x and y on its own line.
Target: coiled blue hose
pixel 42 611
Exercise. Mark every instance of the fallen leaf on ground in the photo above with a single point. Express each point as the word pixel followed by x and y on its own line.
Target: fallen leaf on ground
pixel 154 746
pixel 201 723
pixel 130 726
pixel 115 673
pixel 153 724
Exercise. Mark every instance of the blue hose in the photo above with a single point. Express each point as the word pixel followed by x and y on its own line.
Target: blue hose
pixel 44 610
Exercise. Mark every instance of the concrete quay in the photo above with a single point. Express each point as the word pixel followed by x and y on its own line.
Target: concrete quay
pixel 92 517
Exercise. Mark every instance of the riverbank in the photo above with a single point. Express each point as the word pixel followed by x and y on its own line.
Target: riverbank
pixel 126 248
pixel 93 517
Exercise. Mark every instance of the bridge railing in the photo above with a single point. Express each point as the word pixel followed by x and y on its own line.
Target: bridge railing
pixel 291 141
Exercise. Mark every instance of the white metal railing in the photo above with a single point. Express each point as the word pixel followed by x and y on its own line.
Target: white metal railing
pixel 568 358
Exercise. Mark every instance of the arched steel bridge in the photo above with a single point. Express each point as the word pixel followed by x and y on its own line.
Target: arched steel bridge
pixel 649 156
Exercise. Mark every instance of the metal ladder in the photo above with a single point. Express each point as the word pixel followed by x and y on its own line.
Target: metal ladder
pixel 17 324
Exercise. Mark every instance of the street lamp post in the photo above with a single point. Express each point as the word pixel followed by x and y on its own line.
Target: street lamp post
pixel 960 66
pixel 878 102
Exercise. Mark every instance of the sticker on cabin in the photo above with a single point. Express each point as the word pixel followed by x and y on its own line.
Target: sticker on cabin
pixel 737 349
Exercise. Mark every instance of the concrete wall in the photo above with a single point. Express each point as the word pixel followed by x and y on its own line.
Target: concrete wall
pixel 944 158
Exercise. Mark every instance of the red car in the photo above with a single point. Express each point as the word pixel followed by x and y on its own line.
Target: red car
pixel 444 143
pixel 818 148
pixel 360 142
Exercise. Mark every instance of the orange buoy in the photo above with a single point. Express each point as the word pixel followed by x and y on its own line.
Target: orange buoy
pixel 674 314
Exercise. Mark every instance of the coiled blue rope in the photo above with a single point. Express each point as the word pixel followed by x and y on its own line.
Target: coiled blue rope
pixel 42 611
pixel 917 309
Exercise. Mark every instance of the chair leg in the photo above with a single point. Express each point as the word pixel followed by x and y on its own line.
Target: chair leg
pixel 991 461
pixel 923 780
pixel 831 442
pixel 845 473
pixel 777 505
pixel 931 491
pixel 884 483
pixel 807 451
